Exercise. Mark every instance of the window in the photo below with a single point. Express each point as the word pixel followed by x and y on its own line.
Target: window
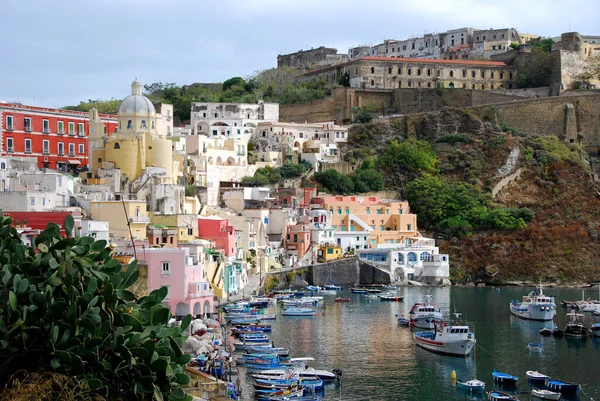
pixel 117 146
pixel 27 122
pixel 389 70
pixel 372 70
pixel 438 73
pixel 27 145
pixel 413 45
pixel 409 227
pixel 43 201
pixel 501 75
pixel 464 73
pixel 46 126
pixel 425 256
pixel 143 125
pixel 378 211
pixel 451 73
pixel 152 124
pixel 71 128
pixel 382 228
pixel 409 72
pixel 368 211
pixel 429 72
pixel 372 83
pixel 32 201
pixel 419 71
pixel 9 145
pixel 81 148
pixel 46 146
pixel 61 148
pixel 71 149
pixel 510 75
pixel 482 86
pixel 9 123
pixel 190 231
pixel 399 70
pixel 60 181
pixel 482 74
pixel 129 124
pixel 80 130
pixel 215 132
pixel 166 268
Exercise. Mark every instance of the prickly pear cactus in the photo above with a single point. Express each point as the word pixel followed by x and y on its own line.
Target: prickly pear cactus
pixel 65 307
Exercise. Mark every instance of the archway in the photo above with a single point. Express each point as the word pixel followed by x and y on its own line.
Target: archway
pixel 207 310
pixel 411 257
pixel 197 309
pixel 451 85
pixel 400 259
pixel 182 309
pixel 399 274
pixel 210 160
pixel 230 161
pixel 297 144
pixel 219 161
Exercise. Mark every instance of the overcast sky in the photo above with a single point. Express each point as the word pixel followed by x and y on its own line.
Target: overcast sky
pixel 59 52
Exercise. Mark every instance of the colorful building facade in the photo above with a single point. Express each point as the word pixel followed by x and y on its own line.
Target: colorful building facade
pixel 218 231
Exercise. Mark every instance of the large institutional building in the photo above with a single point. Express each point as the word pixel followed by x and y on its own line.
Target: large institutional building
pixel 56 137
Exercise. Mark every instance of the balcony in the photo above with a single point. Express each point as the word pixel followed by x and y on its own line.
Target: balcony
pixel 61 153
pixel 9 127
pixel 46 152
pixel 81 133
pixel 71 154
pixel 61 132
pixel 27 128
pixel 10 149
pixel 139 219
pixel 46 130
pixel 27 150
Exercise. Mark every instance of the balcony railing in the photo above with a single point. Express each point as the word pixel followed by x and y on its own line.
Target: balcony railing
pixel 46 130
pixel 81 133
pixel 71 154
pixel 61 153
pixel 46 152
pixel 28 128
pixel 27 150
pixel 139 219
pixel 9 127
pixel 10 150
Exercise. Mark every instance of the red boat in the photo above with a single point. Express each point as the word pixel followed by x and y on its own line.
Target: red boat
pixel 341 299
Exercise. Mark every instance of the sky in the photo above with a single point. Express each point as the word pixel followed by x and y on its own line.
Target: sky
pixel 55 53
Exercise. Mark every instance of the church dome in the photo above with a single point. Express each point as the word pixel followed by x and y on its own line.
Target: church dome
pixel 137 104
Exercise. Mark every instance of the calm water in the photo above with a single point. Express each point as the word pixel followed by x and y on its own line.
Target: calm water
pixel 380 362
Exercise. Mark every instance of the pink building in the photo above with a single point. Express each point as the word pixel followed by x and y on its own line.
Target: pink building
pixel 189 290
pixel 218 231
pixel 297 240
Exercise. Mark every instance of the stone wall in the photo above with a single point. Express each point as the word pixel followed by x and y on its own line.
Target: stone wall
pixel 331 108
pixel 505 182
pixel 341 272
pixel 371 275
pixel 340 167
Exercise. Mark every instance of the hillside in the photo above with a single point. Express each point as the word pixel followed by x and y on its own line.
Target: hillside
pixel 562 240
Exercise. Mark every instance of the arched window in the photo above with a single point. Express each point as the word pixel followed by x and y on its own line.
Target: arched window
pixel 2 166
pixel 400 258
pixel 129 124
pixel 152 124
pixel 372 83
pixel 451 73
pixel 451 85
pixel 425 256
pixel 143 125
pixel 482 86
pixel 411 257
pixel 117 146
pixel 372 70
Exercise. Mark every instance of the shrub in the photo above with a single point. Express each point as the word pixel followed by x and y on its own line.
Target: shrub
pixel 65 308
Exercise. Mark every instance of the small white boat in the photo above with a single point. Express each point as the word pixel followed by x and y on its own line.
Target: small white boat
pixel 535 376
pixel 535 306
pixel 295 311
pixel 545 394
pixel 473 385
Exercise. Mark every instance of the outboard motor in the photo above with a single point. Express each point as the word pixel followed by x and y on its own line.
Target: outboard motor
pixel 338 373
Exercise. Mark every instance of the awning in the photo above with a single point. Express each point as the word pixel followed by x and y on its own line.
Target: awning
pixel 73 161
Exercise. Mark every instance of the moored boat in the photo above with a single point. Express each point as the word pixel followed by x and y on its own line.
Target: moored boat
pixel 473 385
pixel 535 376
pixel 425 315
pixel 546 331
pixel 535 347
pixel 338 299
pixel 504 378
pixel 402 321
pixel 562 387
pixel 315 383
pixel 447 339
pixel 358 290
pixel 333 287
pixel 391 296
pixel 595 330
pixel 296 311
pixel 534 306
pixel 558 332
pixel 575 327
pixel 313 288
pixel 545 394
pixel 499 396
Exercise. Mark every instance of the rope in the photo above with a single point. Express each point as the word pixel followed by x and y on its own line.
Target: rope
pixel 581 389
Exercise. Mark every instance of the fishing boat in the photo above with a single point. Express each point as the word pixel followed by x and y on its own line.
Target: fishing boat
pixel 565 388
pixel 315 383
pixel 313 288
pixel 558 332
pixel 536 377
pixel 545 394
pixel 279 394
pixel 255 349
pixel 425 315
pixel 333 287
pixel 535 347
pixel 296 311
pixel 575 327
pixel 338 299
pixel 447 339
pixel 304 301
pixel 357 290
pixel 546 331
pixel 534 306
pixel 504 378
pixel 261 302
pixel 391 296
pixel 300 368
pixel 499 396
pixel 595 330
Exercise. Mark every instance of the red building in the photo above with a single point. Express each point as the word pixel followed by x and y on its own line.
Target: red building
pixel 219 231
pixel 30 224
pixel 58 138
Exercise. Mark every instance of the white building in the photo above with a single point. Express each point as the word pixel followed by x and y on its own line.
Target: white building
pixel 416 259
pixel 96 229
pixel 230 119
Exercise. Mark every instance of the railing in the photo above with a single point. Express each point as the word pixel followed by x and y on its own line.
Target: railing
pixel 27 150
pixel 46 131
pixel 61 153
pixel 9 127
pixel 139 219
pixel 9 150
pixel 28 128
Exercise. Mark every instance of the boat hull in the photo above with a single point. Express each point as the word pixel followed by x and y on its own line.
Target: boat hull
pixel 499 396
pixel 561 387
pixel 473 386
pixel 545 394
pixel 595 330
pixel 536 377
pixel 458 348
pixel 426 322
pixel 533 312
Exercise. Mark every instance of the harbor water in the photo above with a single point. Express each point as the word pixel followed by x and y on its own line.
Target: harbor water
pixel 379 360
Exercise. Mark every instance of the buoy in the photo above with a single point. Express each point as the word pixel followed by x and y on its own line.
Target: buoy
pixel 453 375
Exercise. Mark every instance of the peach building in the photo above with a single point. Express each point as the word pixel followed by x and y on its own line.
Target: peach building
pixel 363 222
pixel 297 242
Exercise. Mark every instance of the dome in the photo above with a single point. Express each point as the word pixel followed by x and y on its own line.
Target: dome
pixel 137 104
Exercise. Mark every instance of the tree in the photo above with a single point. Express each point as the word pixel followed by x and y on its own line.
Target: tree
pixel 335 182
pixel 231 82
pixel 362 115
pixel 536 71
pixel 367 180
pixel 65 307
pixel 401 161
pixel 344 80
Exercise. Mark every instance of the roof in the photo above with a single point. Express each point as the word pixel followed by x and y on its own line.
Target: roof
pixel 69 113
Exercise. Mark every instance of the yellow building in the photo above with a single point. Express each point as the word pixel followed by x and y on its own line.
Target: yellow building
pixel 329 252
pixel 186 225
pixel 118 213
pixel 137 144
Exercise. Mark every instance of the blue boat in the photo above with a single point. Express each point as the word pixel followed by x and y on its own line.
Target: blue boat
pixel 313 288
pixel 500 396
pixel 279 395
pixel 333 287
pixel 562 387
pixel 535 347
pixel 263 349
pixel 359 290
pixel 504 378
pixel 264 365
pixel 299 293
pixel 285 383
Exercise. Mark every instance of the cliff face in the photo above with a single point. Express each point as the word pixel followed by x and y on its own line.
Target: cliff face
pixel 545 174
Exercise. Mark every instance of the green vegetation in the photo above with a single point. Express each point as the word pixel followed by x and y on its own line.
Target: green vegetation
pixel 453 139
pixel 275 85
pixel 402 161
pixel 536 71
pixel 272 175
pixel 455 209
pixel 551 150
pixel 271 281
pixel 362 114
pixel 345 80
pixel 65 308
pixel 365 179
